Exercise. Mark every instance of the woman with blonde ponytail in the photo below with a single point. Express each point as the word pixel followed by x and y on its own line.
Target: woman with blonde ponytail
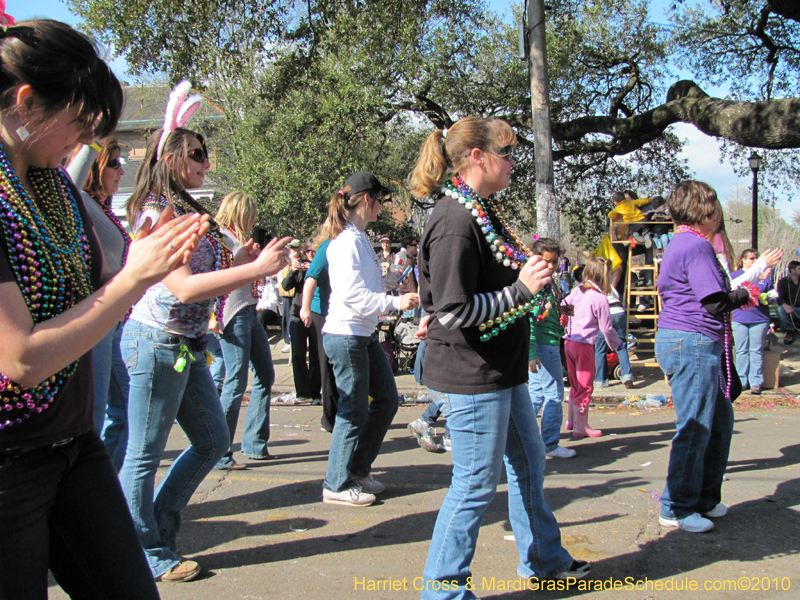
pixel 478 281
pixel 358 298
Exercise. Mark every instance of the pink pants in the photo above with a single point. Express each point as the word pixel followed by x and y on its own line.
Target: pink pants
pixel 580 371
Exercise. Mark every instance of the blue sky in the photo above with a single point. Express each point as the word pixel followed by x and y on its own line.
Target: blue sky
pixel 701 151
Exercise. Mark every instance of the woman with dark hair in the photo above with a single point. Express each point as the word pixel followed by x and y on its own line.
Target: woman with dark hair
pixel 100 172
pixel 750 327
pixel 60 503
pixel 164 341
pixel 358 298
pixel 478 282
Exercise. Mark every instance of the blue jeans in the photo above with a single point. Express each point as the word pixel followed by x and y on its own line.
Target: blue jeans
pixel 661 240
pixel 244 343
pixel 546 388
pixel 699 455
pixel 788 321
pixel 485 429
pixel 111 383
pixel 362 370
pixel 433 412
pixel 286 306
pixel 61 508
pixel 217 368
pixel 159 395
pixel 601 348
pixel 749 338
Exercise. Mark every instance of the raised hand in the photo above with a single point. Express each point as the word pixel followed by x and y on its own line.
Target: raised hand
pixel 535 274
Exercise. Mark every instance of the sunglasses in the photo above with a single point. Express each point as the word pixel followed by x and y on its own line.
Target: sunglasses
pixel 198 155
pixel 114 163
pixel 507 152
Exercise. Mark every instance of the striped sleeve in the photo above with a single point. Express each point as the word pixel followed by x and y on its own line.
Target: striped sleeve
pixel 482 307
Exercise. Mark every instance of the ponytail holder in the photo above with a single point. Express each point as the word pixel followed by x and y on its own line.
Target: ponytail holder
pixel 341 193
pixel 179 111
pixel 5 20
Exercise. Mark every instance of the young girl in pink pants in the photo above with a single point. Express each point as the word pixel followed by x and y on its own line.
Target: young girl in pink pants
pixel 591 314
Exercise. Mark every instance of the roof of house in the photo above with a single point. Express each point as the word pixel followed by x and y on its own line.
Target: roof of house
pixel 145 105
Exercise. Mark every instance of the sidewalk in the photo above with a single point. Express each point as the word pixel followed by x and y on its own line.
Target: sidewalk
pixel 264 533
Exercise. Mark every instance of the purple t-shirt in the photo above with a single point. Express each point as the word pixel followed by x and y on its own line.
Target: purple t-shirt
pixel 690 272
pixel 757 314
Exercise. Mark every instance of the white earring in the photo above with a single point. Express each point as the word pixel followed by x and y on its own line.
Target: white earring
pixel 22 132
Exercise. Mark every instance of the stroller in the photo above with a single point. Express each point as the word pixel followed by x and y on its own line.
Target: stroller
pixel 404 343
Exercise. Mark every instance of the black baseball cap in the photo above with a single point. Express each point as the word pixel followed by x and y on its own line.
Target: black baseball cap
pixel 364 181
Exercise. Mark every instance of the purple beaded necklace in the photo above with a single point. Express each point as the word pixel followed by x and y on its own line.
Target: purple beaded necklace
pixel 48 251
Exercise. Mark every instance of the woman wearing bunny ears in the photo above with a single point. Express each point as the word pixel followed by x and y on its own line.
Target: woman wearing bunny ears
pixel 163 343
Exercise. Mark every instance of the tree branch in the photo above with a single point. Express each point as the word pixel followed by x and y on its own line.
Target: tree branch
pixel 771 124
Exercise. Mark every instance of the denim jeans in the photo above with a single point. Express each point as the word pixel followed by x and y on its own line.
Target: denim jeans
pixel 244 344
pixel 362 370
pixel 601 348
pixel 699 455
pixel 661 240
pixel 62 508
pixel 305 364
pixel 160 395
pixel 486 430
pixel 788 321
pixel 217 368
pixel 286 306
pixel 749 338
pixel 111 384
pixel 433 412
pixel 546 388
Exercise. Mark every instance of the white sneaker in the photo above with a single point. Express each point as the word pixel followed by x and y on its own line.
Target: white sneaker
pixel 561 452
pixel 447 444
pixel 369 484
pixel 286 349
pixel 694 523
pixel 350 497
pixel 720 510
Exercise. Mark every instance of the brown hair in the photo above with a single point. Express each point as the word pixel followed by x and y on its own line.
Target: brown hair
pixel 439 156
pixel 238 212
pixel 692 202
pixel 158 176
pixel 339 207
pixel 745 252
pixel 596 271
pixel 94 180
pixel 64 69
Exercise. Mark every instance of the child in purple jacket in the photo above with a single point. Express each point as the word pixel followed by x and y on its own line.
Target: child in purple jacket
pixel 592 314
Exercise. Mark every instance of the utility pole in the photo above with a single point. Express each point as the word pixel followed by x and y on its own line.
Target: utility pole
pixel 547 213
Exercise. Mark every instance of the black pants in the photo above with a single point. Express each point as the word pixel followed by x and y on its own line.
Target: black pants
pixel 330 395
pixel 306 374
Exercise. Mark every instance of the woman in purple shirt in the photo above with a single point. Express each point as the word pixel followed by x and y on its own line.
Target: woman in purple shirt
pixel 750 329
pixel 693 351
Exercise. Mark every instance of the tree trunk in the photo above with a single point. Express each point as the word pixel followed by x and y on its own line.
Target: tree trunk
pixel 547 217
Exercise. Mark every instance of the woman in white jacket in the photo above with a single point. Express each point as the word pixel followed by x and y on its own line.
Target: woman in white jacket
pixel 358 298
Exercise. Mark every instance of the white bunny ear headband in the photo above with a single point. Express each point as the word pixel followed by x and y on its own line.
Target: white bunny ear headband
pixel 179 111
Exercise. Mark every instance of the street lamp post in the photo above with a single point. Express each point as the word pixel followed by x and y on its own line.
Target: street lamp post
pixel 755 164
